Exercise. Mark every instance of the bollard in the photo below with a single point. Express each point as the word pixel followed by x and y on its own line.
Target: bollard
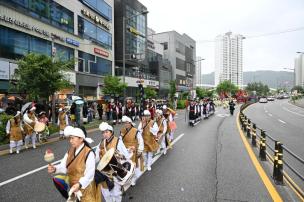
pixel 275 168
pixel 279 178
pixel 248 131
pixel 263 134
pixel 280 147
pixel 253 135
pixel 262 154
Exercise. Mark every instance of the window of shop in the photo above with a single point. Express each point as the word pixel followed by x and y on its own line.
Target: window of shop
pixel 101 7
pixel 64 53
pixel 15 44
pixel 90 31
pixel 93 64
pixel 47 11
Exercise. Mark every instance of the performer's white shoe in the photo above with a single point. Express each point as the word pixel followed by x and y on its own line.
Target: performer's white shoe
pixel 34 146
pixel 11 151
pixel 17 151
pixel 149 168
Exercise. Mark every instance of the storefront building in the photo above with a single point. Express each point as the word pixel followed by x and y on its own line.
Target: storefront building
pixel 82 30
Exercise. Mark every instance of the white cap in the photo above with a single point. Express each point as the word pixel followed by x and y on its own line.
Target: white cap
pixel 77 132
pixel 60 109
pixel 17 113
pixel 147 113
pixel 160 112
pixel 105 126
pixel 127 119
pixel 164 106
pixel 33 108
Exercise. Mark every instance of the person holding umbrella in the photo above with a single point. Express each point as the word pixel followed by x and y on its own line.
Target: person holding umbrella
pixel 30 119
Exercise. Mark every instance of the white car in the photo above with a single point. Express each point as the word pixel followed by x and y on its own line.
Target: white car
pixel 263 100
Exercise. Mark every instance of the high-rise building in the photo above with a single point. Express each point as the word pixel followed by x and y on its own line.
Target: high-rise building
pixel 229 58
pixel 81 30
pixel 198 72
pixel 299 70
pixel 180 51
pixel 131 46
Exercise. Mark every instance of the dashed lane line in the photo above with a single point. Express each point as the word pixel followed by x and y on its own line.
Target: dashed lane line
pixel 282 121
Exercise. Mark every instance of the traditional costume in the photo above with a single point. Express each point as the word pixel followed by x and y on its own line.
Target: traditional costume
pixel 63 121
pixel 29 119
pixel 149 131
pixel 162 130
pixel 14 130
pixel 132 138
pixel 79 166
pixel 115 193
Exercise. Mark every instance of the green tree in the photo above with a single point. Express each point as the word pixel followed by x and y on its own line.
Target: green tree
pixel 150 92
pixel 40 77
pixel 112 85
pixel 259 88
pixel 201 92
pixel 172 90
pixel 300 89
pixel 227 88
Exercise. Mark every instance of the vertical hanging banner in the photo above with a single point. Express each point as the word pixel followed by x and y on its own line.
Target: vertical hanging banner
pixel 142 100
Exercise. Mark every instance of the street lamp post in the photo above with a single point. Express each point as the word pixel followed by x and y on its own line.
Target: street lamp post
pixel 124 19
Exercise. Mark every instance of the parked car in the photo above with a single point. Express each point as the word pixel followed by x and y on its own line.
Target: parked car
pixel 270 98
pixel 263 100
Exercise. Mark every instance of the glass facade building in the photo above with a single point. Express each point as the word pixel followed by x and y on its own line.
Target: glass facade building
pixel 82 30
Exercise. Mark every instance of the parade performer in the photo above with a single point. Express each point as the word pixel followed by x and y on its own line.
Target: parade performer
pixel 120 112
pixel 169 115
pixel 132 138
pixel 149 131
pixel 115 111
pixel 192 110
pixel 162 130
pixel 205 110
pixel 43 119
pixel 63 121
pixel 110 141
pixel 30 119
pixel 14 131
pixel 79 166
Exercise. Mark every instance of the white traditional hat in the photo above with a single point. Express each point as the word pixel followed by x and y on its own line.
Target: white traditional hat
pixel 147 113
pixel 33 108
pixel 105 126
pixel 77 132
pixel 60 109
pixel 164 106
pixel 160 112
pixel 127 119
pixel 17 113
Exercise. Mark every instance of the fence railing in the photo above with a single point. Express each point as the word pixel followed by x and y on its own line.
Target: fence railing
pixel 265 142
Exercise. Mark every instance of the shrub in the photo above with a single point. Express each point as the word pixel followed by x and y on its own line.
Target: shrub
pixel 181 104
pixel 3 121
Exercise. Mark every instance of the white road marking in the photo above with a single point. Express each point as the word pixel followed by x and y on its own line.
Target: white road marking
pixel 270 114
pixel 282 121
pixel 302 115
pixel 266 111
pixel 43 167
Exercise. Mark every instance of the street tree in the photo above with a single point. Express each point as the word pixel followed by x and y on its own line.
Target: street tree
pixel 113 86
pixel 297 88
pixel 150 92
pixel 226 88
pixel 40 77
pixel 172 90
pixel 201 92
pixel 260 88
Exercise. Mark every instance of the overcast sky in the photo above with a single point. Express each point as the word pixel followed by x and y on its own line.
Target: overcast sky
pixel 203 20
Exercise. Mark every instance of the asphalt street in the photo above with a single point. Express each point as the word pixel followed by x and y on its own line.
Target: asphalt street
pixel 285 123
pixel 208 163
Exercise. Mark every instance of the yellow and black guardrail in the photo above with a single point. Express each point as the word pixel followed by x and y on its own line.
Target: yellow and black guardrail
pixel 278 175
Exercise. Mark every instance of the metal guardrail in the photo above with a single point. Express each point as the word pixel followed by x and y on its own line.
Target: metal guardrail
pixel 278 173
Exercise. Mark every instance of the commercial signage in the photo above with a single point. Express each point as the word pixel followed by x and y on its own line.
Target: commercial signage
pixel 135 32
pixel 95 18
pixel 101 52
pixel 72 42
pixel 24 25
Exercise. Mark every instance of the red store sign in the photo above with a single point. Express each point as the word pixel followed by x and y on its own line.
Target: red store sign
pixel 101 52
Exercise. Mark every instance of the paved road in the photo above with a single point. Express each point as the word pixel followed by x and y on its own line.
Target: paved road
pixel 209 163
pixel 284 122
